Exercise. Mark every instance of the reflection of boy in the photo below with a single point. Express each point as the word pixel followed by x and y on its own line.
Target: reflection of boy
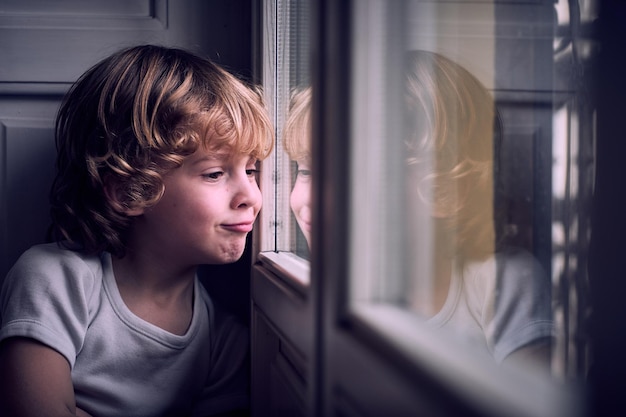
pixel 297 143
pixel 156 174
pixel 497 295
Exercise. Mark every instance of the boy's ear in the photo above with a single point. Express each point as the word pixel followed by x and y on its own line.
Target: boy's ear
pixel 115 194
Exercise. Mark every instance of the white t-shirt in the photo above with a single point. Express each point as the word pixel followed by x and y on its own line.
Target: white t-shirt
pixel 120 364
pixel 500 304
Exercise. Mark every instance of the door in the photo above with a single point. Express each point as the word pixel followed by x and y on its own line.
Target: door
pixel 45 46
pixel 431 288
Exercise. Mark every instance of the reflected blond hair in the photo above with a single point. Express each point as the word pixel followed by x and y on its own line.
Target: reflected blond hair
pixel 131 119
pixel 296 133
pixel 451 121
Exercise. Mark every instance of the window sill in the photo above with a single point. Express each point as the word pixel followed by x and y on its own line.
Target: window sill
pixel 294 269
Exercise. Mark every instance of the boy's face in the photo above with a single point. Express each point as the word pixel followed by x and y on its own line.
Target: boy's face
pixel 300 199
pixel 209 206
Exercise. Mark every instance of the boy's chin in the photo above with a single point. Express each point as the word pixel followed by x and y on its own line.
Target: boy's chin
pixel 230 254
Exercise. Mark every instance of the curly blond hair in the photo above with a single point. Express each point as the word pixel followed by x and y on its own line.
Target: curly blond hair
pixel 132 118
pixel 297 130
pixel 452 123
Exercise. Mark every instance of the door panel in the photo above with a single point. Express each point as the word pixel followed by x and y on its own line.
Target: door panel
pixel 25 140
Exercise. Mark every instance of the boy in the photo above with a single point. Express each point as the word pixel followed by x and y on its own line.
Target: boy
pixel 157 153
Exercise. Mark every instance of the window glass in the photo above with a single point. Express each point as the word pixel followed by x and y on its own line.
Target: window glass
pixel 472 137
pixel 286 216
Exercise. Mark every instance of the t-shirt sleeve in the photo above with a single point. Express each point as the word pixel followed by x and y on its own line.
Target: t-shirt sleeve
pixel 521 304
pixel 45 297
pixel 227 389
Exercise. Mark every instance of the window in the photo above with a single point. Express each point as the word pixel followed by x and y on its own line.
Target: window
pixel 286 220
pixel 470 172
pixel 452 163
pixel 467 196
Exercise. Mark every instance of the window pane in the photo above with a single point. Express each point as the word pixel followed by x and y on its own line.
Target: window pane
pixel 472 147
pixel 286 220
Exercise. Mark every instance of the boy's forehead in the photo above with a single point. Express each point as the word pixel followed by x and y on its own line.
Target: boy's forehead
pixel 211 155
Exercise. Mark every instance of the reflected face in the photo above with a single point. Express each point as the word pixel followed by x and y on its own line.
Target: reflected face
pixel 300 200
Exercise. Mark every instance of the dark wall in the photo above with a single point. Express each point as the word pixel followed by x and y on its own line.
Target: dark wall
pixel 608 245
pixel 229 285
pixel 228 29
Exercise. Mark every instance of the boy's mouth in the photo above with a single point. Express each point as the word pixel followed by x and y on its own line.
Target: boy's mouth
pixel 243 227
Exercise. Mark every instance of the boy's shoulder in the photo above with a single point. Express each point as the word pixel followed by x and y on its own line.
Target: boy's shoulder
pixel 52 259
pixel 59 251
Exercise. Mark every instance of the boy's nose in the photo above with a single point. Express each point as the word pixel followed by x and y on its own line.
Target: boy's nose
pixel 247 193
pixel 305 212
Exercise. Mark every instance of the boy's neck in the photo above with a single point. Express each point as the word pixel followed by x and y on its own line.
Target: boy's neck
pixel 155 294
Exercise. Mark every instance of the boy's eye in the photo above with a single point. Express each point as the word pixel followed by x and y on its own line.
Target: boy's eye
pixel 306 173
pixel 252 172
pixel 213 175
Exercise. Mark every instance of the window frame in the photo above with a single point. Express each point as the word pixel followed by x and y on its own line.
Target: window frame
pixel 276 228
pixel 439 377
pixel 425 361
